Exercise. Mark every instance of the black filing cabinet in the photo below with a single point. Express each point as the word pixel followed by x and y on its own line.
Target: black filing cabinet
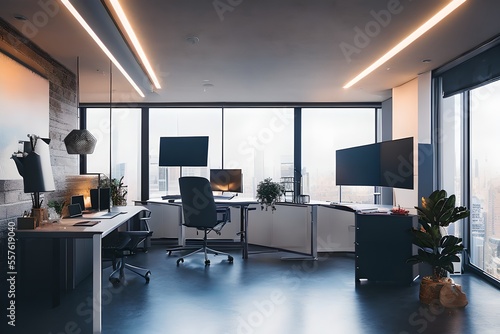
pixel 383 244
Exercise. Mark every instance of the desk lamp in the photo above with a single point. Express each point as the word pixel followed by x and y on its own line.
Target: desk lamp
pixel 33 164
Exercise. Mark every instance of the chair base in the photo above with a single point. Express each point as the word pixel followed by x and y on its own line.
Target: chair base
pixel 119 271
pixel 206 250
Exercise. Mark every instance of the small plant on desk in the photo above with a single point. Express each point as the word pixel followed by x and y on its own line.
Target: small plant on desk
pixel 58 206
pixel 268 193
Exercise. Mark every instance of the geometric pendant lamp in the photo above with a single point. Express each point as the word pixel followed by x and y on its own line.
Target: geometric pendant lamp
pixel 80 142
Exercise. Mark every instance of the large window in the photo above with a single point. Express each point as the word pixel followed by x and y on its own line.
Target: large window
pixel 325 130
pixel 260 142
pixel 485 178
pixel 451 158
pixel 173 122
pixel 470 169
pixel 125 146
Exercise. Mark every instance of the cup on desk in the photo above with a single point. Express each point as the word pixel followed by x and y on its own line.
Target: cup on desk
pixel 304 199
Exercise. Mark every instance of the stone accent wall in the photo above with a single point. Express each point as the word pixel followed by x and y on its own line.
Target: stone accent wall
pixel 63 118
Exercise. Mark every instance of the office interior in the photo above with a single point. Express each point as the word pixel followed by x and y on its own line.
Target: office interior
pixel 265 81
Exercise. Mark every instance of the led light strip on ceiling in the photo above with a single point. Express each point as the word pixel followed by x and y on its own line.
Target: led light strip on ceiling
pixel 131 34
pixel 103 47
pixel 408 40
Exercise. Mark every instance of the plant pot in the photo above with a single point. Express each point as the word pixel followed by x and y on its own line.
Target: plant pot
pixel 451 296
pixel 430 289
pixel 40 215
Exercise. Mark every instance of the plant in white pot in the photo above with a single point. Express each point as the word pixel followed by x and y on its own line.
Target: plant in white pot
pixel 440 251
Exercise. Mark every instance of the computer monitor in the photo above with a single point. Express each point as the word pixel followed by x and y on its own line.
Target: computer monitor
pixel 226 180
pixel 100 199
pixel 183 151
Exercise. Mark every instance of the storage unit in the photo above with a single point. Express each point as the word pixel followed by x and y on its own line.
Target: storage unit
pixel 383 244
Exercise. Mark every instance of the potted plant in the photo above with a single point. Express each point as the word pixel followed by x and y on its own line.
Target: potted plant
pixel 439 251
pixel 57 206
pixel 118 190
pixel 268 193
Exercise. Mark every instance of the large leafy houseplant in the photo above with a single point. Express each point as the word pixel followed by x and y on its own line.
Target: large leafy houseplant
pixel 268 193
pixel 440 251
pixel 437 212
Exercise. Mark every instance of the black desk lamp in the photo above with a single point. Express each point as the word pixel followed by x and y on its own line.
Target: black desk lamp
pixel 33 164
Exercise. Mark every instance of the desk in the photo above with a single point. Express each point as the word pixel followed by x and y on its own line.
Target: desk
pixel 244 205
pixel 65 229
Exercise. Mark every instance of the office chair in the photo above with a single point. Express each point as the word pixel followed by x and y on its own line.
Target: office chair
pixel 118 245
pixel 200 212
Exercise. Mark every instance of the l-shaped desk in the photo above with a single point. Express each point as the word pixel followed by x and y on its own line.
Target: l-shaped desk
pixel 306 229
pixel 65 229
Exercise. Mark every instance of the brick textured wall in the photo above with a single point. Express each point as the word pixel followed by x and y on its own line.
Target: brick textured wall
pixel 63 118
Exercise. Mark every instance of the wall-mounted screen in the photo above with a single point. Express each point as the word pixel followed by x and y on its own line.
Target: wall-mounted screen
pixel 183 151
pixel 358 166
pixel 396 163
pixel 385 164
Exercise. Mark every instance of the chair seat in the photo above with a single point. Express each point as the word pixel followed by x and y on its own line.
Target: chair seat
pixel 120 244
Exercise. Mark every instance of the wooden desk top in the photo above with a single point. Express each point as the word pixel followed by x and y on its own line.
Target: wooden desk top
pixel 64 227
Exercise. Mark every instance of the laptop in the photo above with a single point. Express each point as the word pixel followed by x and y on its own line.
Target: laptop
pixel 74 210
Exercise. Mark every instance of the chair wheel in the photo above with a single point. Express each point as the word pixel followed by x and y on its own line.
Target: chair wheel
pixel 115 281
pixel 169 253
pixel 230 259
pixel 207 262
pixel 147 276
pixel 180 260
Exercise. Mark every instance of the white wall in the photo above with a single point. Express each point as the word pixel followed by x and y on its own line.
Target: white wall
pixel 412 118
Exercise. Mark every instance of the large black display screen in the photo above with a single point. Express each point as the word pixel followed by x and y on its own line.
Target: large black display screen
pixel 183 151
pixel 385 164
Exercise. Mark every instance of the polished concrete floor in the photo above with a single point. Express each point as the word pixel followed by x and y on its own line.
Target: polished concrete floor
pixel 263 294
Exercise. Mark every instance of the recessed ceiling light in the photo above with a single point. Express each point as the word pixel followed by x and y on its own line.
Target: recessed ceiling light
pixel 192 40
pixel 207 86
pixel 454 4
pixel 20 17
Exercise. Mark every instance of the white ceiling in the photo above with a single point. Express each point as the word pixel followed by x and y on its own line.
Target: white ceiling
pixel 254 50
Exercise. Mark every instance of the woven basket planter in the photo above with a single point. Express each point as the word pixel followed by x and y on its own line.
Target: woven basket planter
pixel 430 289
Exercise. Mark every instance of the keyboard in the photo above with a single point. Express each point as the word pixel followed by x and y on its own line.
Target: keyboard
pixel 171 197
pixel 223 196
